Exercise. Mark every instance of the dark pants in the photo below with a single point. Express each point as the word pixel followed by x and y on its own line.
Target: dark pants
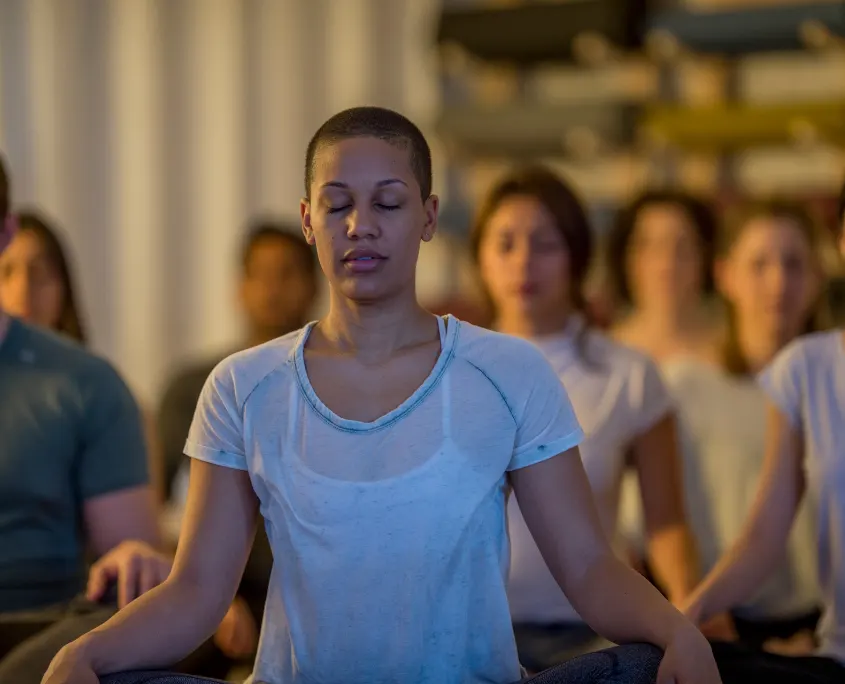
pixel 634 664
pixel 30 640
pixel 739 665
pixel 542 647
pixel 755 633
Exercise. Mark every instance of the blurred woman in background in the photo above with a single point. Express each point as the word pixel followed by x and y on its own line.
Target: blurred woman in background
pixel 36 284
pixel 769 274
pixel 805 429
pixel 659 256
pixel 533 246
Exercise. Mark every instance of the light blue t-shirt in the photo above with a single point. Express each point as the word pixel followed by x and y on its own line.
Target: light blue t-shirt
pixel 390 537
pixel 806 381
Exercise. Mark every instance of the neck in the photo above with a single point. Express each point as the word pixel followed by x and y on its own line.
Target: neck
pixel 520 324
pixel 668 320
pixel 374 331
pixel 757 346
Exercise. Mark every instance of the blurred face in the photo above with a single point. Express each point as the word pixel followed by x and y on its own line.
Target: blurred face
pixel 30 285
pixel 664 261
pixel 523 259
pixel 276 290
pixel 771 276
pixel 366 218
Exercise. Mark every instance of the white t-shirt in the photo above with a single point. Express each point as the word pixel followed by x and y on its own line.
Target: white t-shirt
pixel 807 382
pixel 390 537
pixel 722 420
pixel 618 395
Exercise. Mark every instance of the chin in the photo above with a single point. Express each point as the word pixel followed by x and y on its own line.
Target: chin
pixel 365 292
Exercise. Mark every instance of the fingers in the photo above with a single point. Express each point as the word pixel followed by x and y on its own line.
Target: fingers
pixel 127 583
pixel 98 580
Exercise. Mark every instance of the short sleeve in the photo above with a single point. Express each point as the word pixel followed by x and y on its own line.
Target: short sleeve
pixel 113 450
pixel 781 382
pixel 648 398
pixel 216 434
pixel 545 420
pixel 175 415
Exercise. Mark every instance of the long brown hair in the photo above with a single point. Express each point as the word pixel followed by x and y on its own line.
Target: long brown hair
pixel 70 320
pixel 818 317
pixel 570 218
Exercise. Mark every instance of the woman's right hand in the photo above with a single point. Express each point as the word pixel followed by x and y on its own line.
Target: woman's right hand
pixel 70 666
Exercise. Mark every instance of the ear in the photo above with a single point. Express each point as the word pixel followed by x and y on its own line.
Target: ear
pixel 305 215
pixel 723 278
pixel 431 207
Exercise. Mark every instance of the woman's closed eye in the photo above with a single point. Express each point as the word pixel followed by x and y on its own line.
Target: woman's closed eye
pixel 336 210
pixel 388 207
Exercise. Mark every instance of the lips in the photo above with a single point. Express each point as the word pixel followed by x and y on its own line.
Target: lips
pixel 362 260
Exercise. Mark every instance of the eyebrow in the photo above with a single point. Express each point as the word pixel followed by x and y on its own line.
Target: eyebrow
pixel 380 184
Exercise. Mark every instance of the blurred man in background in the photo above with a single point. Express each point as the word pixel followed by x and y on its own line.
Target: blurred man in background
pixel 277 290
pixel 74 488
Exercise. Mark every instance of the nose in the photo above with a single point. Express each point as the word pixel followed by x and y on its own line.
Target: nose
pixel 361 223
pixel 521 257
pixel 777 281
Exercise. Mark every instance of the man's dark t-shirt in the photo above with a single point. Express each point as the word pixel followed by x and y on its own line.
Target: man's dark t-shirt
pixel 70 431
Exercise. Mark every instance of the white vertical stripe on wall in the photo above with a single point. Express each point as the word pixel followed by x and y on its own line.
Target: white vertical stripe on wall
pixel 420 85
pixel 4 88
pixel 216 83
pixel 135 186
pixel 14 99
pixel 42 43
pixel 282 128
pixel 351 68
pixel 151 130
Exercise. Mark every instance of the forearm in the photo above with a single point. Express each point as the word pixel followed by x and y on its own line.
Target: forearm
pixel 739 573
pixel 156 630
pixel 624 607
pixel 674 561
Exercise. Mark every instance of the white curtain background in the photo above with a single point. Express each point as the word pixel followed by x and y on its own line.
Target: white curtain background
pixel 150 130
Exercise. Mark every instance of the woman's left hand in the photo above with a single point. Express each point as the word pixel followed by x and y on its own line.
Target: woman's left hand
pixel 688 659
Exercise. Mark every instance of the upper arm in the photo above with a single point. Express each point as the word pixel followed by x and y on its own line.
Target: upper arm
pixel 112 470
pixel 221 511
pixel 658 463
pixel 654 445
pixel 557 504
pixel 129 514
pixel 782 482
pixel 217 531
